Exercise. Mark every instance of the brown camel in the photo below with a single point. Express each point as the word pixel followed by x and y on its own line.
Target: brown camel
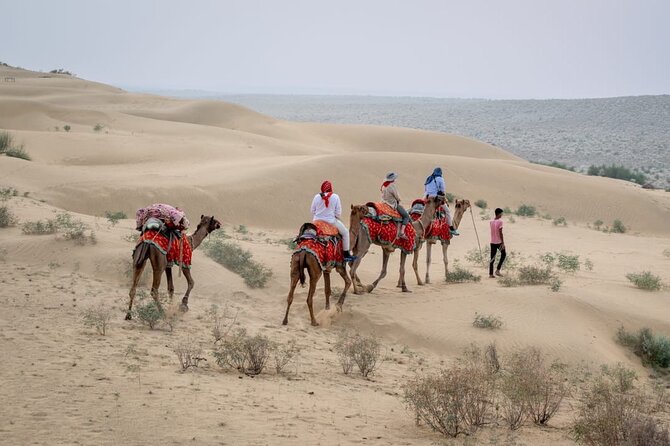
pixel 158 261
pixel 460 206
pixel 361 244
pixel 303 259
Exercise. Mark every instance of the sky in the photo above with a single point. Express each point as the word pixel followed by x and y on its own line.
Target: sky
pixel 440 48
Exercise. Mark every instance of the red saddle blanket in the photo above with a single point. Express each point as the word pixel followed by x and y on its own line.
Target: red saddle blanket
pixel 179 252
pixel 438 229
pixel 327 253
pixel 384 209
pixel 385 234
pixel 325 228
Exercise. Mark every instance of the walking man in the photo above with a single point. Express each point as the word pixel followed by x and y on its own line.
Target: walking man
pixel 497 243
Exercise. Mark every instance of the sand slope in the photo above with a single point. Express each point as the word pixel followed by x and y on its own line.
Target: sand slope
pixel 65 385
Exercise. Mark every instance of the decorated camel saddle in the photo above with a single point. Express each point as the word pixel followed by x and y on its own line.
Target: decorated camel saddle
pixel 162 225
pixel 438 228
pixel 382 224
pixel 323 241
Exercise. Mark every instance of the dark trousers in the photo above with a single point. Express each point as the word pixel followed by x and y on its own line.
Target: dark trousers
pixel 403 213
pixel 494 249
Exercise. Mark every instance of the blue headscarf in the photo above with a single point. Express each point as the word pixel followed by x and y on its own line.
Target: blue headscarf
pixel 437 172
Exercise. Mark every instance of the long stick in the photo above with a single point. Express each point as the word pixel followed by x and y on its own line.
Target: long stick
pixel 481 256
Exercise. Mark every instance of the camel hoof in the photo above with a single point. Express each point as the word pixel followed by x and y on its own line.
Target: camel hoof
pixel 405 290
pixel 339 308
pixel 420 283
pixel 129 316
pixel 183 307
pixel 327 307
pixel 285 322
pixel 369 288
pixel 315 324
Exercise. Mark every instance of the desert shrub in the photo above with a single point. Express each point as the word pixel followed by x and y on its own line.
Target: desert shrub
pixel 534 275
pixel 588 264
pixel 555 284
pixel 18 152
pixel 653 349
pixel 618 227
pixel 248 354
pixel 67 128
pixel 621 377
pixel 490 321
pixel 8 192
pixel 283 355
pixel 222 321
pixel 39 227
pixel 458 274
pixel 98 127
pixel 148 313
pixel 508 281
pixel 526 210
pixel 481 204
pixel 114 217
pixel 289 242
pixel 241 229
pixel 189 353
pixel 568 263
pixel 97 316
pixel 618 172
pixel 598 224
pixel 666 252
pixel 557 165
pixel 74 229
pixel 238 260
pixel 645 280
pixel 560 221
pixel 357 349
pixel 7 217
pixel 6 141
pixel 541 385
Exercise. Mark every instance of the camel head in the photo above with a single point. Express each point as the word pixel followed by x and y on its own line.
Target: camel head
pixel 358 211
pixel 461 205
pixel 211 223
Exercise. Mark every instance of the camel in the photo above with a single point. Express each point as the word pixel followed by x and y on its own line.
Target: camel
pixel 303 259
pixel 158 261
pixel 460 206
pixel 361 244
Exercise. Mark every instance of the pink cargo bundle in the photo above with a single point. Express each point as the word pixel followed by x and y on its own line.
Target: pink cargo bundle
pixel 170 215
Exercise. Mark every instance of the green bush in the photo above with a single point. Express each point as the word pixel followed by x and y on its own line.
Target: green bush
pixel 555 284
pixel 247 354
pixel 568 263
pixel 618 227
pixel 98 127
pixel 8 192
pixel 557 165
pixel 7 218
pixel 97 316
pixel 653 350
pixel 39 227
pixel 481 204
pixel 618 172
pixel 74 229
pixel 356 349
pixel 458 274
pixel 67 128
pixel 6 141
pixel 239 261
pixel 526 210
pixel 490 321
pixel 598 224
pixel 534 275
pixel 645 280
pixel 114 217
pixel 149 313
pixel 560 221
pixel 18 152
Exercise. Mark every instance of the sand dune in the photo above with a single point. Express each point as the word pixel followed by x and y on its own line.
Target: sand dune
pixel 65 385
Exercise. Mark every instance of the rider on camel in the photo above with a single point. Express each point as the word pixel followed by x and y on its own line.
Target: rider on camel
pixel 391 197
pixel 326 206
pixel 435 187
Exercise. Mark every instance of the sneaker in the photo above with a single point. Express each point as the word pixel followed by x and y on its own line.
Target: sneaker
pixel 454 232
pixel 499 274
pixel 348 258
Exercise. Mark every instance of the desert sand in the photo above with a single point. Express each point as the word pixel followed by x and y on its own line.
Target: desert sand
pixel 64 384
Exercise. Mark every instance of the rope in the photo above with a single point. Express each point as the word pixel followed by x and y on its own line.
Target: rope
pixel 481 256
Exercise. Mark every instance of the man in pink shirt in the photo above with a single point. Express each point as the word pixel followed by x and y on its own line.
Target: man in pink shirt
pixel 497 243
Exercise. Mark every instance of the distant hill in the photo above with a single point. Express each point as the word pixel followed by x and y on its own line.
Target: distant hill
pixel 631 131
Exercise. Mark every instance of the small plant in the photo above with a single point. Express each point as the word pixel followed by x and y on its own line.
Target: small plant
pixel 568 263
pixel 8 192
pixel 458 274
pixel 482 204
pixel 555 284
pixel 74 229
pixel 588 265
pixel 67 128
pixel 618 227
pixel 534 275
pixel 508 281
pixel 97 316
pixel 526 210
pixel 7 217
pixel 289 242
pixel 487 321
pixel 666 252
pixel 284 354
pixel 359 350
pixel 653 349
pixel 149 313
pixel 645 280
pixel 238 260
pixel 98 127
pixel 598 224
pixel 39 227
pixel 18 152
pixel 6 141
pixel 248 354
pixel 241 229
pixel 189 353
pixel 222 321
pixel 560 221
pixel 114 217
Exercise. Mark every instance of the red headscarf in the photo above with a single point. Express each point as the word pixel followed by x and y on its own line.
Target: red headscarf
pixel 326 191
pixel 386 184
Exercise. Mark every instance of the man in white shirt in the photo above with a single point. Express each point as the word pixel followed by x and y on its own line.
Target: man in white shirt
pixel 326 206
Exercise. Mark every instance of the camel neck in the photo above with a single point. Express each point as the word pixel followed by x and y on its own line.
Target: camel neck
pixel 458 217
pixel 198 236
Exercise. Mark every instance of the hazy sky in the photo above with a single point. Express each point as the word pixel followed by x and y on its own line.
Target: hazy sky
pixel 459 48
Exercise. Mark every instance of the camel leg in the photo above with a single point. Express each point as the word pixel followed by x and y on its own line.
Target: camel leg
pixel 158 265
pixel 191 283
pixel 326 284
pixel 347 283
pixel 428 249
pixel 314 276
pixel 445 247
pixel 415 266
pixel 170 282
pixel 137 274
pixel 382 274
pixel 403 259
pixel 295 276
pixel 358 286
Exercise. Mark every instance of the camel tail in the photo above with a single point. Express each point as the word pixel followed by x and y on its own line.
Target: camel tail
pixel 302 260
pixel 140 254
